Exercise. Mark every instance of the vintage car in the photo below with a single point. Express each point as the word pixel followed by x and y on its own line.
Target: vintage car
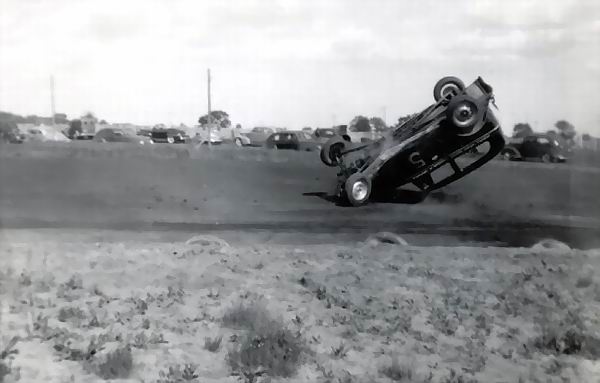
pixel 462 118
pixel 258 135
pixel 537 147
pixel 294 140
pixel 323 134
pixel 119 135
pixel 169 136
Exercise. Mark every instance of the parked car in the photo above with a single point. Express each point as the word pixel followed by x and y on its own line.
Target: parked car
pixel 119 135
pixel 258 135
pixel 169 136
pixel 294 140
pixel 537 147
pixel 324 134
pixel 203 138
pixel 461 119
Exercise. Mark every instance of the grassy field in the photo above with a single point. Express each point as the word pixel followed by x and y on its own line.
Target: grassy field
pixel 208 311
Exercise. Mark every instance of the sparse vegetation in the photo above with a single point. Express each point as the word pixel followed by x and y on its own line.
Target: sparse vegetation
pixel 396 371
pixel 114 363
pixel 178 374
pixel 212 344
pixel 267 347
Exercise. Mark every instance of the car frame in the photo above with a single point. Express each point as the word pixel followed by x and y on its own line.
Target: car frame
pixel 460 120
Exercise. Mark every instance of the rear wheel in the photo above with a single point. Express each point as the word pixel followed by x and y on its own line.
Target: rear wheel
pixel 331 152
pixel 508 154
pixel 447 87
pixel 357 189
pixel 547 158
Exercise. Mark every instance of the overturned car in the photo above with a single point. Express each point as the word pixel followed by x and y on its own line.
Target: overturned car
pixel 461 120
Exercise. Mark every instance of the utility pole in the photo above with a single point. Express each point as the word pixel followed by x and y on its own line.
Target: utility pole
pixel 52 106
pixel 209 115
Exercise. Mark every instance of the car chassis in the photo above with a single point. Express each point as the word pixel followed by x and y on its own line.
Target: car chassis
pixel 460 121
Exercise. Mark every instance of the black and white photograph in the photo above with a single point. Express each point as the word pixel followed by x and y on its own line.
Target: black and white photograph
pixel 319 191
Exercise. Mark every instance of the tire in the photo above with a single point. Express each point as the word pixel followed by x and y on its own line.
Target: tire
pixel 446 85
pixel 509 154
pixel 465 114
pixel 357 189
pixel 170 140
pixel 331 150
pixel 547 158
pixel 238 142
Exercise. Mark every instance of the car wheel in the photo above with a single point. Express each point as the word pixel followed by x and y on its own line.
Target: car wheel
pixel 238 142
pixel 547 158
pixel 447 87
pixel 357 189
pixel 331 151
pixel 508 155
pixel 170 140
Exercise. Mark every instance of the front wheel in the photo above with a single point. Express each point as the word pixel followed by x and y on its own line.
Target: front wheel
pixel 238 142
pixel 331 152
pixel 357 189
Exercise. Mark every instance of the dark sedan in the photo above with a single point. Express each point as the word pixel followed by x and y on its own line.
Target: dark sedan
pixel 293 140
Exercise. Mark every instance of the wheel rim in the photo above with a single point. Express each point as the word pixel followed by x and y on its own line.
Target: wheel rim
pixel 507 156
pixel 450 88
pixel 238 142
pixel 360 189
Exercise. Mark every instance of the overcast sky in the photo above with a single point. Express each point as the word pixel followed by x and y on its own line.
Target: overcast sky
pixel 298 63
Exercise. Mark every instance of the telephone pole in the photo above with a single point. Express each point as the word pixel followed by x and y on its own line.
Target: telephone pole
pixel 52 106
pixel 209 115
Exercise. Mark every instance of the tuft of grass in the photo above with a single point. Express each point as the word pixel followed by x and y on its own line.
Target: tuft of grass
pixel 454 377
pixel 267 348
pixel 584 282
pixel 74 283
pixel 340 351
pixel 114 364
pixel 247 316
pixel 212 345
pixel 178 374
pixel 5 369
pixel 396 371
pixel 70 313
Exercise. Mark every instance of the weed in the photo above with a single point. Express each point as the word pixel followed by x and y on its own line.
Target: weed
pixel 212 345
pixel 273 350
pixel 584 282
pixel 340 351
pixel 454 377
pixel 397 371
pixel 112 363
pixel 25 279
pixel 178 374
pixel 74 283
pixel 249 317
pixel 70 314
pixel 441 321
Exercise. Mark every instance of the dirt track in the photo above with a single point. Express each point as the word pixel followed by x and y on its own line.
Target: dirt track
pixel 227 189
